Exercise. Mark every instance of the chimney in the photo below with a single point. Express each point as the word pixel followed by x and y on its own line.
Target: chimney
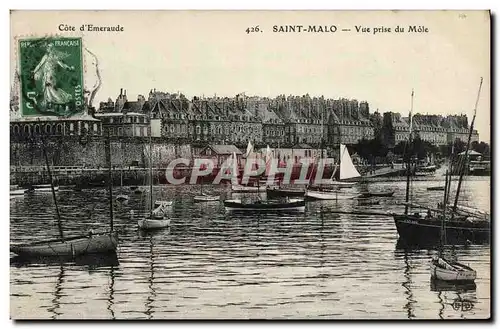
pixel 125 92
pixel 121 91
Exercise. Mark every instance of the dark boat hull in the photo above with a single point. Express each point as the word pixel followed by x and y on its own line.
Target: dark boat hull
pixel 288 206
pixel 422 231
pixel 276 193
pixel 70 247
pixel 376 194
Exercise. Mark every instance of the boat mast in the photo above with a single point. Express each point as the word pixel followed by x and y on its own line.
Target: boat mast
pixel 59 224
pixel 447 183
pixel 408 169
pixel 110 180
pixel 150 168
pixel 466 155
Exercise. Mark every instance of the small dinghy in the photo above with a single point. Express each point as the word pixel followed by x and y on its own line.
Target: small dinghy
pixel 376 194
pixel 368 203
pixel 122 197
pixel 276 191
pixel 17 192
pixel 153 223
pixel 44 188
pixel 329 195
pixel 162 203
pixel 444 270
pixel 268 205
pixel 435 188
pixel 246 188
pixel 206 198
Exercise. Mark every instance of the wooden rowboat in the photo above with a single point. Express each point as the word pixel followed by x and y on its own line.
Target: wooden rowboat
pixel 451 271
pixel 206 198
pixel 69 247
pixel 153 224
pixel 289 205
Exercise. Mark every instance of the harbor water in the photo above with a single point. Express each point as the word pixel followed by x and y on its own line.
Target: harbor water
pixel 215 265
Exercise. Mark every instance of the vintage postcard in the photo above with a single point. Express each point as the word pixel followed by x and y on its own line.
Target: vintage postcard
pixel 250 165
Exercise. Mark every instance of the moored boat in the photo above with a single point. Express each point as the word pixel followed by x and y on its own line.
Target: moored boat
pixel 442 269
pixel 152 224
pixel 266 205
pixel 377 194
pixel 122 197
pixel 69 247
pixel 44 188
pixel 329 195
pixel 246 188
pixel 17 192
pixel 275 192
pixel 435 188
pixel 206 198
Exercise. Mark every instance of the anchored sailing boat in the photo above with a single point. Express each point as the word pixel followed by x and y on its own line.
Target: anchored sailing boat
pixel 238 187
pixel 347 171
pixel 204 197
pixel 75 245
pixel 156 217
pixel 122 197
pixel 458 228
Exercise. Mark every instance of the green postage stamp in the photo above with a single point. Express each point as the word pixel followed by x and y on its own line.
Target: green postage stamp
pixel 51 76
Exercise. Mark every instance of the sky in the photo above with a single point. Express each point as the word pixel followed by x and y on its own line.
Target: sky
pixel 209 52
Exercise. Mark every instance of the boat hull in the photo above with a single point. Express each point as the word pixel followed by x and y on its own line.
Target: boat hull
pixel 153 224
pixel 376 194
pixel 17 192
pixel 249 189
pixel 206 198
pixel 75 246
pixel 122 197
pixel 318 195
pixel 418 230
pixel 236 205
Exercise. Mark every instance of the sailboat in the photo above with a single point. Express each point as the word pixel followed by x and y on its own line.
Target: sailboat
pixel 441 268
pixel 458 228
pixel 156 217
pixel 204 197
pixel 242 188
pixel 72 246
pixel 347 171
pixel 122 197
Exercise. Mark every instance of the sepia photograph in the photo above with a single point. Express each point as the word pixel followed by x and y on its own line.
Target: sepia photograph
pixel 250 165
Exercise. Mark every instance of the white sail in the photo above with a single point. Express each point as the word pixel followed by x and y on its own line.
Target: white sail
pixel 249 149
pixel 347 168
pixel 235 166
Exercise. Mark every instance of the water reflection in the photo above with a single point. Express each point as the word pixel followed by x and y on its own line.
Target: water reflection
pixel 57 294
pixel 408 286
pixel 213 264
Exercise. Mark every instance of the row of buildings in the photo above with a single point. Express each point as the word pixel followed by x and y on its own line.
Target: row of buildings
pixel 282 121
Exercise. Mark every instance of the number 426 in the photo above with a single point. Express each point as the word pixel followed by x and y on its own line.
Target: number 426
pixel 253 29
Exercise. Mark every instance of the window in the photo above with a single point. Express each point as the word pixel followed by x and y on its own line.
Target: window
pixel 198 130
pixel 71 127
pixel 37 129
pixel 27 130
pixel 86 127
pixel 95 127
pixel 112 131
pixel 120 131
pixel 110 120
pixel 48 129
pixel 16 129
